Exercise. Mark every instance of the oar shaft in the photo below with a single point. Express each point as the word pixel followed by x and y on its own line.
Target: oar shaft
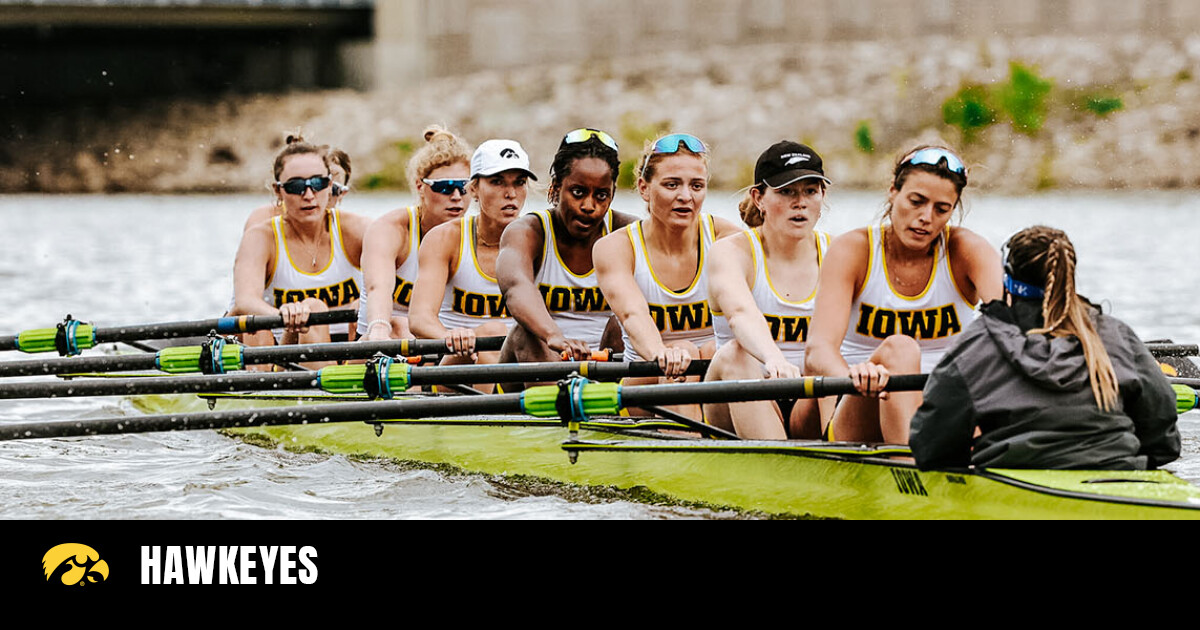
pixel 173 330
pixel 254 381
pixel 745 391
pixel 251 355
pixel 276 416
pixel 691 393
pixel 1163 350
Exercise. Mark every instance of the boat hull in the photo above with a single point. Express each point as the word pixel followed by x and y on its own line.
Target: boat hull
pixel 813 479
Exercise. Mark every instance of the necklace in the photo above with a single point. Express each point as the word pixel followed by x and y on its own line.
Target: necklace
pixel 896 277
pixel 317 249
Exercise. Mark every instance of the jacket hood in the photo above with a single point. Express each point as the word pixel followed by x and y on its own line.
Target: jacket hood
pixel 1054 363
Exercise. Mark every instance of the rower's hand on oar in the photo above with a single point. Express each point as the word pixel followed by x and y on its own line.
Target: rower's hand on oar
pixel 570 349
pixel 870 379
pixel 461 342
pixel 781 369
pixel 674 363
pixel 295 315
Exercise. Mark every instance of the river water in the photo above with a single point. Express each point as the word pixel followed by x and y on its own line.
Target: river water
pixel 139 259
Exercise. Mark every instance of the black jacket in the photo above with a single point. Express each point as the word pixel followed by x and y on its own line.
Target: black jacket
pixel 1031 399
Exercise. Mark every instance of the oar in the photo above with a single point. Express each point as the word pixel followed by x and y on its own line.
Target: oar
pixel 1163 350
pixel 73 336
pixel 592 399
pixel 382 379
pixel 233 357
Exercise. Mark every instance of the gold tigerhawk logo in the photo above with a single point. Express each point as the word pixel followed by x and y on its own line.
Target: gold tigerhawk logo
pixel 83 565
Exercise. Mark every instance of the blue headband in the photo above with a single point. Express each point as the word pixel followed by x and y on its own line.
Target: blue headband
pixel 1021 289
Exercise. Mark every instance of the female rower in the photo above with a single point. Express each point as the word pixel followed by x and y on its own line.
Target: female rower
pixel 439 173
pixel 895 296
pixel 1047 379
pixel 763 291
pixel 456 298
pixel 545 264
pixel 305 260
pixel 653 271
pixel 339 169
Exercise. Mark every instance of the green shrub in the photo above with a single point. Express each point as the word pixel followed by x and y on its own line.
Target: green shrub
pixel 969 110
pixel 391 175
pixel 863 139
pixel 1104 105
pixel 1024 98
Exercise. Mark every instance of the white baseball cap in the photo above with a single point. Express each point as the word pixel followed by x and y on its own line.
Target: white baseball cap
pixel 497 156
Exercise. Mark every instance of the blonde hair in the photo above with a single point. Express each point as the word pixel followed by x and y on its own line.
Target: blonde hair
pixel 442 148
pixel 1045 257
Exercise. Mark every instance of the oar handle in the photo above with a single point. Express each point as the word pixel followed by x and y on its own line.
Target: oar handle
pixel 1164 350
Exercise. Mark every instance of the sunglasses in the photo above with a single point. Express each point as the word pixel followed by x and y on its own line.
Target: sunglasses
pixel 298 185
pixel 939 158
pixel 671 144
pixel 447 186
pixel 583 135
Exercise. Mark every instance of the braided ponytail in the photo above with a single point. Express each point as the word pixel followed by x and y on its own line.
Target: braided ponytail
pixel 1045 257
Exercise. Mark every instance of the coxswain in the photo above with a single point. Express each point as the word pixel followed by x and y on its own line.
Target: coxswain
pixel 1043 379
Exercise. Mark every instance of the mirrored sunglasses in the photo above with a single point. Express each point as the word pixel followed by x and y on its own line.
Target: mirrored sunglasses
pixel 583 135
pixel 447 186
pixel 938 157
pixel 298 185
pixel 671 144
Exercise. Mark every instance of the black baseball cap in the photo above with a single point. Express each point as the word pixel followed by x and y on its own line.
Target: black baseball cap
pixel 787 162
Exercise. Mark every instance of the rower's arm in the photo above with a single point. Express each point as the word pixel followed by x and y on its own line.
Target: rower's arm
pixel 519 246
pixel 983 277
pixel 613 256
pixel 842 273
pixel 438 254
pixel 729 293
pixel 380 258
pixel 252 270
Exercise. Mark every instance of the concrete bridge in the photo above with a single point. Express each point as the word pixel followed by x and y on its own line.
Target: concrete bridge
pixel 57 51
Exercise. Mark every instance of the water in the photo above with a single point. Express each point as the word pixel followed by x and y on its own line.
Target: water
pixel 137 259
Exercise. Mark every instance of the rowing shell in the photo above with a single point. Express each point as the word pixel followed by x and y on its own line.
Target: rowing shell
pixel 818 479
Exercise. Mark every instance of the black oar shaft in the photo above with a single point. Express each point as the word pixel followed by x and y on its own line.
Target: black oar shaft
pixel 251 355
pixel 1163 350
pixel 276 416
pixel 689 393
pixel 222 325
pixel 254 381
pixel 745 391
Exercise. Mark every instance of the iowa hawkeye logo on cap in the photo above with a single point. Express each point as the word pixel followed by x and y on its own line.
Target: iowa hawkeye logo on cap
pixel 75 565
pixel 509 154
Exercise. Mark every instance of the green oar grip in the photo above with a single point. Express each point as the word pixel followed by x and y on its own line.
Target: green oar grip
pixel 1186 398
pixel 594 399
pixel 186 359
pixel 351 379
pixel 44 339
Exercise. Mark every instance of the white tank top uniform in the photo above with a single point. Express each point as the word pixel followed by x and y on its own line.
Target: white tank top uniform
pixel 682 315
pixel 472 298
pixel 575 302
pixel 788 321
pixel 337 285
pixel 934 318
pixel 406 275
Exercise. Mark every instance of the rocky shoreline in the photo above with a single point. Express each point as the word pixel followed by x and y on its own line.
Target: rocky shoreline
pixel 859 103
